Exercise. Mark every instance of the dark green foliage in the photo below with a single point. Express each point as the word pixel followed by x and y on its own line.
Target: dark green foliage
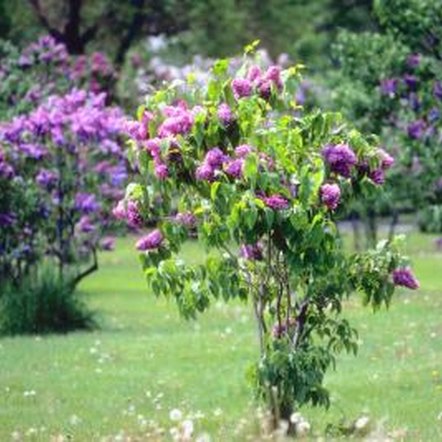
pixel 44 304
pixel 302 29
pixel 430 219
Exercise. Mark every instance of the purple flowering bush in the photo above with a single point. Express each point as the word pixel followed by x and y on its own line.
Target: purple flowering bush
pixel 45 68
pixel 62 168
pixel 262 184
pixel 390 83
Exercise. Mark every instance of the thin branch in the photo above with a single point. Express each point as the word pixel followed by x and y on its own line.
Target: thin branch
pixel 132 31
pixel 88 271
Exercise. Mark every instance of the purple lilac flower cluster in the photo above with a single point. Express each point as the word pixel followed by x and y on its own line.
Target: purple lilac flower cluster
pixel 404 277
pixel 340 158
pixel 95 71
pixel 330 195
pixel 151 241
pixel 216 161
pixel 44 50
pixel 259 81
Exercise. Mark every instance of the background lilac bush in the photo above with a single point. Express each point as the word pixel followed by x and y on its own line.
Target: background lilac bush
pixel 390 83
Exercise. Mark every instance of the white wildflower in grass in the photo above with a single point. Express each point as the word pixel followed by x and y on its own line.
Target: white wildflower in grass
pixel 175 415
pixel 175 434
pixel 16 435
pixel 31 431
pixel 74 420
pixel 361 423
pixel 29 393
pixel 204 437
pixel 199 415
pixel 302 428
pixel 218 412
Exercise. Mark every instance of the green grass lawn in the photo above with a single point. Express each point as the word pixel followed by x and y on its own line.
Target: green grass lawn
pixel 123 380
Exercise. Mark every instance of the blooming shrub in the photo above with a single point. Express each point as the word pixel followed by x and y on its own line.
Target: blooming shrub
pixel 61 171
pixel 44 68
pixel 262 188
pixel 390 83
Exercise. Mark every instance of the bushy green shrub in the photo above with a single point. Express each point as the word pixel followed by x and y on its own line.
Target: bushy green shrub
pixel 389 82
pixel 43 304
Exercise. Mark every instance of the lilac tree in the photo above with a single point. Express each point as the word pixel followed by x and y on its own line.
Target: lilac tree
pixel 261 184
pixel 62 168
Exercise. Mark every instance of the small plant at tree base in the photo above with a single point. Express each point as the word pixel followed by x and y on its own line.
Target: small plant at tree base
pixel 262 185
pixel 42 304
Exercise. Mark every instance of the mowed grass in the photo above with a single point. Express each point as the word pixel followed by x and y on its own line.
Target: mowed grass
pixel 123 380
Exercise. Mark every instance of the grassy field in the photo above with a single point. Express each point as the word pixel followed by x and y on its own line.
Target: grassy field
pixel 123 381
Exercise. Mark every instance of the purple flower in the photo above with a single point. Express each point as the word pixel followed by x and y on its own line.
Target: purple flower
pixel 243 150
pixel 205 172
pixel 386 159
pixel 389 86
pixel 119 211
pixel 252 252
pixel 7 219
pixel 254 73
pixel 410 81
pixel 6 170
pixel 438 243
pixel 161 171
pixel 340 158
pixel 234 168
pixel 273 74
pixel 433 115
pixel 404 277
pixel 153 147
pixel 416 129
pixel 413 60
pixel 46 178
pixel 330 195
pixel 215 158
pixel 107 243
pixel 225 114
pixel 377 176
pixel 241 87
pixel 187 219
pixel 414 101
pixel 133 129
pixel 34 151
pixel 276 202
pixel 86 202
pixel 151 241
pixel 265 89
pixel 133 215
pixel 179 121
pixel 85 225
